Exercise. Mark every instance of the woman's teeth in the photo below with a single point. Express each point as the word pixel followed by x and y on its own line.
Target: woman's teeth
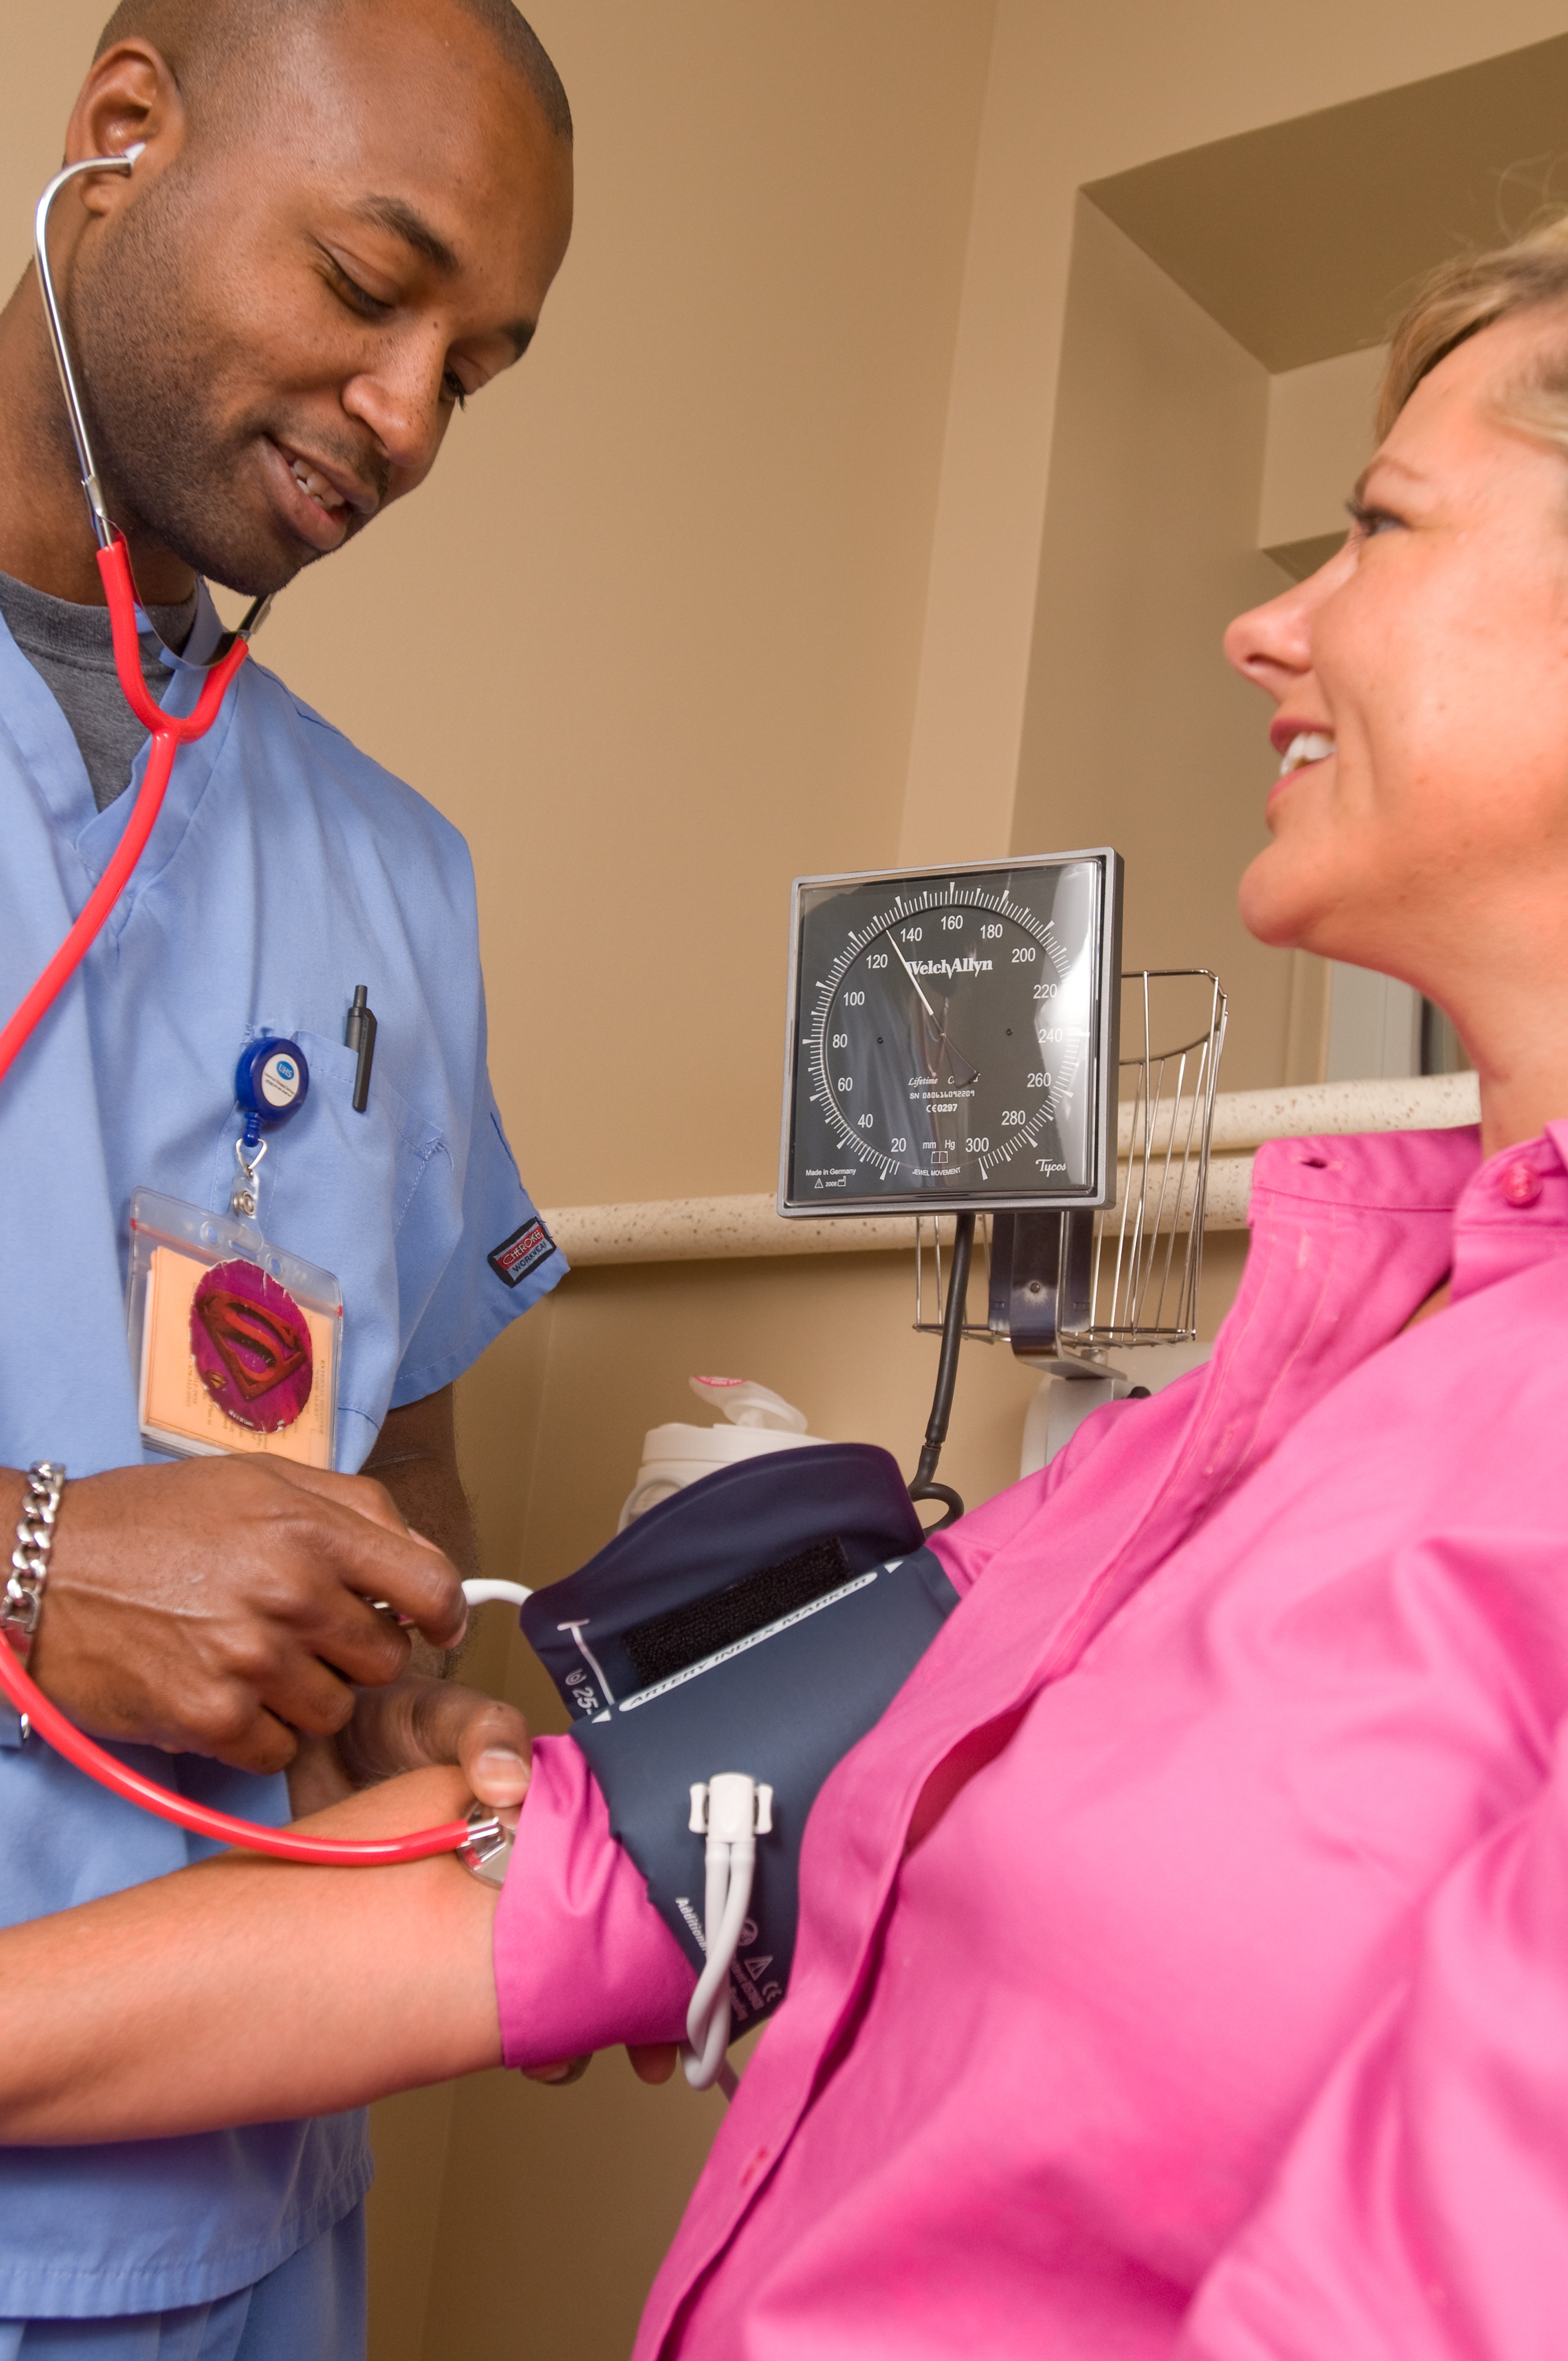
pixel 317 486
pixel 1307 746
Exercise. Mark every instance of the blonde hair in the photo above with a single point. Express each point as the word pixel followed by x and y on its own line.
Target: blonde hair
pixel 1472 292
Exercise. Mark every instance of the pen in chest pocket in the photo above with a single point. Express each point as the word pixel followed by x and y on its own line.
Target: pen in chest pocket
pixel 359 1035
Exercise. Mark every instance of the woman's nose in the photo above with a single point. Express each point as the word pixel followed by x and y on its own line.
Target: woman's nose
pixel 1273 645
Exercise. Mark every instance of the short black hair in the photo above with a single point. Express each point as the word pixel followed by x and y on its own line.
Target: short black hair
pixel 198 37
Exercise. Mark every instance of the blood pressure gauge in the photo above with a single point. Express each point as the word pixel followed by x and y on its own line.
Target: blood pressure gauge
pixel 953 1038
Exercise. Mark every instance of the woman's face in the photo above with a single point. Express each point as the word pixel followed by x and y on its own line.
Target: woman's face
pixel 1420 820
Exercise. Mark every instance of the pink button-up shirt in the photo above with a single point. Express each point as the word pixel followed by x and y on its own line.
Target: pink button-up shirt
pixel 1183 1960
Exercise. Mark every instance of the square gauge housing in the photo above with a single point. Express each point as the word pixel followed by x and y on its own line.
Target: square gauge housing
pixel 953 1038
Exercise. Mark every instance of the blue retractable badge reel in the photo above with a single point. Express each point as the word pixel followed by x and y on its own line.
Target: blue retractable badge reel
pixel 269 1083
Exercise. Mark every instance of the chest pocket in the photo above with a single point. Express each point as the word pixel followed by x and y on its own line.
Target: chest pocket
pixel 378 1199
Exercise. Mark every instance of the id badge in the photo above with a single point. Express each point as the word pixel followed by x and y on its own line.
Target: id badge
pixel 236 1343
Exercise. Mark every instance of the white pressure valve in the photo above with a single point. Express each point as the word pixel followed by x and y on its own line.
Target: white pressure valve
pixel 746 1403
pixel 753 1421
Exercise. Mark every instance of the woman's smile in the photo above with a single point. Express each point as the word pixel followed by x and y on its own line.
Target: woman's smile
pixel 1306 746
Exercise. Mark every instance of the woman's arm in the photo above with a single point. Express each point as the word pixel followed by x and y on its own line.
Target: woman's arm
pixel 252 1991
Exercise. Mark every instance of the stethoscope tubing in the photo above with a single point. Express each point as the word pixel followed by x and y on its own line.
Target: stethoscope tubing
pixel 283 1844
pixel 169 732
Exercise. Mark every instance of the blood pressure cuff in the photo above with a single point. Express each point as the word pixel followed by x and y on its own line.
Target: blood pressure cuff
pixel 760 1620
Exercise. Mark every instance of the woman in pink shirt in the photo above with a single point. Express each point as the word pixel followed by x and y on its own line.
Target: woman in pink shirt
pixel 1183 1959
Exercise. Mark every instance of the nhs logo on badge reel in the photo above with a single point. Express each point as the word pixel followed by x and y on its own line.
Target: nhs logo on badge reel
pixel 234 1341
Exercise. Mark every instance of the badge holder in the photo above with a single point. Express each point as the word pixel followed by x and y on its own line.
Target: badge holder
pixel 236 1342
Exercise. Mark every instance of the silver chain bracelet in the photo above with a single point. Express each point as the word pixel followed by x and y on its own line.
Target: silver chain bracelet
pixel 24 1592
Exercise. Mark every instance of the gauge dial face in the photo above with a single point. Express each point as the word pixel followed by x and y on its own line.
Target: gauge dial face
pixel 945 1041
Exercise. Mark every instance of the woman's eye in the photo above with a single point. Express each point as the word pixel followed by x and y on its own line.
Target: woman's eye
pixel 452 387
pixel 1367 522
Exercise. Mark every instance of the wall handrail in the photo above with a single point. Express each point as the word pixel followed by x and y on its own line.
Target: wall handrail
pixel 720 1229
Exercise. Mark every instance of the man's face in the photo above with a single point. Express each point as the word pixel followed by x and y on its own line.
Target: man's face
pixel 275 331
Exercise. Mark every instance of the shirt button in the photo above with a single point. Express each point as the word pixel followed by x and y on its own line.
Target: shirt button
pixel 1521 1184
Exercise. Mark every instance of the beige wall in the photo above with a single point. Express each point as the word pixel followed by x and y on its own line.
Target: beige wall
pixel 666 588
pixel 1319 439
pixel 869 495
pixel 1134 733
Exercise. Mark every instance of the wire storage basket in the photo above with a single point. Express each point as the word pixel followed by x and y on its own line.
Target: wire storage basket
pixel 1149 1246
pixel 1146 1252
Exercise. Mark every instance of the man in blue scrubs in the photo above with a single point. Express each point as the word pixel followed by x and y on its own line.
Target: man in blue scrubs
pixel 345 219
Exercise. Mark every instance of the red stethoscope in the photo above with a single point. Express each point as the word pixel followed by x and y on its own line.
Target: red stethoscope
pixel 481 1838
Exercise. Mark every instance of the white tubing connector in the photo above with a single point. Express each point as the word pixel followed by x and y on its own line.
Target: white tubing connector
pixel 731 1811
pixel 732 1807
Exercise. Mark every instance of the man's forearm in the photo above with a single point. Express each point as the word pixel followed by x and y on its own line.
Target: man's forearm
pixel 415 1457
pixel 251 1991
pixel 13 1494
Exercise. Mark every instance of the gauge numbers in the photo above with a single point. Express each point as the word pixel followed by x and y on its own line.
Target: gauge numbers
pixel 949 1040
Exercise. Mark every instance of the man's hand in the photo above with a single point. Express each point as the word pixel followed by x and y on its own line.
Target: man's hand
pixel 420 1721
pixel 220 1607
pixel 414 1725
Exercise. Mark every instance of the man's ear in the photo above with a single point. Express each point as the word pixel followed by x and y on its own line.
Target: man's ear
pixel 130 97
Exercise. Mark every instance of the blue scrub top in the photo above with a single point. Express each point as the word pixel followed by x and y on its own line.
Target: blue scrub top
pixel 285 869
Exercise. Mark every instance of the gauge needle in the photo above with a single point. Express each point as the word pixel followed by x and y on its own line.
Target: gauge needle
pixel 914 980
pixel 963 1073
pixel 955 1057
